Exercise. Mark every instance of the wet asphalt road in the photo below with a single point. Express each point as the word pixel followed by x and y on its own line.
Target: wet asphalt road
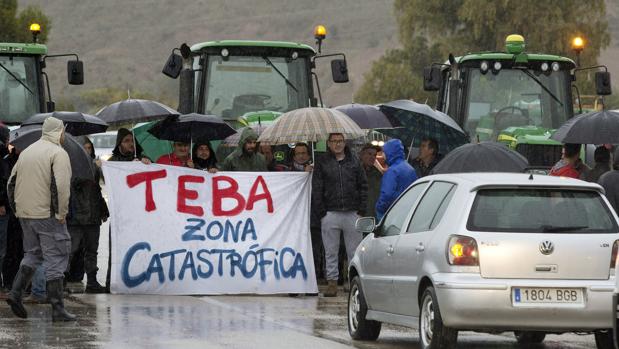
pixel 118 321
pixel 122 321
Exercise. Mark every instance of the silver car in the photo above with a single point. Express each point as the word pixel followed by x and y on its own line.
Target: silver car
pixel 488 252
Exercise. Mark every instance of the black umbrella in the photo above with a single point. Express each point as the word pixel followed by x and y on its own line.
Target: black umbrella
pixel 482 157
pixel 368 116
pixel 132 111
pixel 420 121
pixel 599 127
pixel 82 165
pixel 189 127
pixel 76 123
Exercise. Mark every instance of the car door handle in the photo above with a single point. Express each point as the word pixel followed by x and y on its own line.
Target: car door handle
pixel 390 250
pixel 420 248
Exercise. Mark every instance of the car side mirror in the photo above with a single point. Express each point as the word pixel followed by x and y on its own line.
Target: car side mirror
pixel 431 78
pixel 602 83
pixel 339 71
pixel 365 224
pixel 173 66
pixel 75 72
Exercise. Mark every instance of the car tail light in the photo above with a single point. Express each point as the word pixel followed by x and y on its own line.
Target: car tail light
pixel 462 250
pixel 613 256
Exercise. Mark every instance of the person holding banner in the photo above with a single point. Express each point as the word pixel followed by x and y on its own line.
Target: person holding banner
pixel 246 156
pixel 339 194
pixel 126 149
pixel 178 157
pixel 39 190
pixel 204 157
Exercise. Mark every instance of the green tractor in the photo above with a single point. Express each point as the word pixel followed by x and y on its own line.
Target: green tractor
pixel 512 97
pixel 230 78
pixel 23 81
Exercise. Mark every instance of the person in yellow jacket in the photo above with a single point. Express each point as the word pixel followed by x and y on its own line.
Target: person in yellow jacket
pixel 39 190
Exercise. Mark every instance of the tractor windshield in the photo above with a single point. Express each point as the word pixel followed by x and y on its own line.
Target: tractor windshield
pixel 19 88
pixel 240 84
pixel 515 97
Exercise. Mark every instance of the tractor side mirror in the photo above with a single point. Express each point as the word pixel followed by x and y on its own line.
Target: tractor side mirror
pixel 602 83
pixel 75 72
pixel 339 70
pixel 431 78
pixel 173 66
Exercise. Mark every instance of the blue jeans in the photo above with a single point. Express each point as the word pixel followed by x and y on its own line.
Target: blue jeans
pixel 38 282
pixel 4 223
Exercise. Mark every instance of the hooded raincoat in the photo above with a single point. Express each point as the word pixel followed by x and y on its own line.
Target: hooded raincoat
pixel 117 155
pixel 398 176
pixel 39 186
pixel 239 160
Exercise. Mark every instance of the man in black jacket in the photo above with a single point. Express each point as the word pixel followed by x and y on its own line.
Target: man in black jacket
pixel 5 172
pixel 339 194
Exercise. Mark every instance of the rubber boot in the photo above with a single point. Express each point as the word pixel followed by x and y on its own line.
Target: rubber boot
pixel 331 289
pixel 24 275
pixel 55 295
pixel 92 286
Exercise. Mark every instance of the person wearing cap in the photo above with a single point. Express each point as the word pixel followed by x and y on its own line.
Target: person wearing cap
pixel 610 182
pixel 39 190
pixel 246 156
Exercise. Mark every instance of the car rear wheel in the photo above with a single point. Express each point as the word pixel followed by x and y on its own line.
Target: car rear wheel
pixel 358 327
pixel 529 337
pixel 432 333
pixel 604 339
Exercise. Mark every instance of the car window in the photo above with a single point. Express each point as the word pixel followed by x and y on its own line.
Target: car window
pixel 104 140
pixel 394 219
pixel 429 206
pixel 540 210
pixel 442 208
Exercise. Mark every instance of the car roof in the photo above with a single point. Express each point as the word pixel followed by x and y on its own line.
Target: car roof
pixel 501 179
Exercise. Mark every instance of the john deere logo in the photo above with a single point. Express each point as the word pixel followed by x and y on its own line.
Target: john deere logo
pixel 279 156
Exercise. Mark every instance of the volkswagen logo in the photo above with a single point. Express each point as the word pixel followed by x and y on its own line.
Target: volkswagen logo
pixel 546 247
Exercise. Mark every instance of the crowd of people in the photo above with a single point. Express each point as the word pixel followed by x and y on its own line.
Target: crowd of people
pixel 50 222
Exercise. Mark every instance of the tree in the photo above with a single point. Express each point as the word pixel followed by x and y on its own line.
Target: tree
pixel 15 27
pixel 460 26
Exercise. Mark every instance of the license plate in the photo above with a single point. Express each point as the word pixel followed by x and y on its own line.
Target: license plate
pixel 532 295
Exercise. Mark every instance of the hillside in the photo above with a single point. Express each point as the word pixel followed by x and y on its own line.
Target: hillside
pixel 125 43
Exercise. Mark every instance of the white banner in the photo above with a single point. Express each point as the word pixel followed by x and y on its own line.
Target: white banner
pixel 181 231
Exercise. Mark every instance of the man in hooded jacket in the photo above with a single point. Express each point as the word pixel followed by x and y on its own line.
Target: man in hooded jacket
pixel 610 182
pixel 398 176
pixel 39 190
pixel 126 149
pixel 246 156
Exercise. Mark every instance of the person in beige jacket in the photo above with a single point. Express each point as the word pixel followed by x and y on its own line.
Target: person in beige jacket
pixel 39 190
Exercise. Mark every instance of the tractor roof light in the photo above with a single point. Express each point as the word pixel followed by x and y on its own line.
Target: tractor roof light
pixel 320 32
pixel 515 44
pixel 484 66
pixel 496 67
pixel 545 66
pixel 555 66
pixel 35 29
pixel 578 44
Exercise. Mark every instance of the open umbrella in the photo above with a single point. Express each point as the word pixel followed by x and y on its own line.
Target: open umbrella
pixel 482 157
pixel 310 125
pixel 76 123
pixel 81 163
pixel 420 121
pixel 264 117
pixel 368 116
pixel 152 147
pixel 189 127
pixel 133 111
pixel 233 141
pixel 599 127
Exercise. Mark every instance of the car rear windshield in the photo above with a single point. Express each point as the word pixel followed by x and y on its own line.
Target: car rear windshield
pixel 540 211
